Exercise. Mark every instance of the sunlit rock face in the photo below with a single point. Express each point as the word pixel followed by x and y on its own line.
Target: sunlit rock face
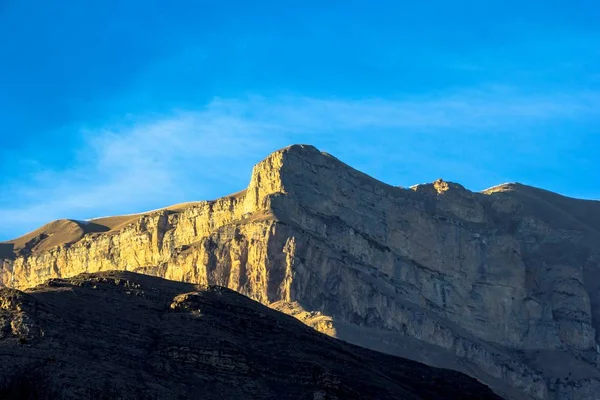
pixel 503 285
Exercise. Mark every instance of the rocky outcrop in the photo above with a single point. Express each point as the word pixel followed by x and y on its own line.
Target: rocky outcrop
pixel 122 335
pixel 485 283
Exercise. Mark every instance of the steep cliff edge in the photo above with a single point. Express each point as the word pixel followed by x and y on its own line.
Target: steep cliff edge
pixel 503 285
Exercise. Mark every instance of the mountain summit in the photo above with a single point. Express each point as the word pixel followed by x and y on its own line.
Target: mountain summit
pixel 503 285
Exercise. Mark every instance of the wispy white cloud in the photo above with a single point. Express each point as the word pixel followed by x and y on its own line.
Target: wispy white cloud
pixel 194 154
pixel 476 109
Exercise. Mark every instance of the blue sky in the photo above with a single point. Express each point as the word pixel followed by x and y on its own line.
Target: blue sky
pixel 124 106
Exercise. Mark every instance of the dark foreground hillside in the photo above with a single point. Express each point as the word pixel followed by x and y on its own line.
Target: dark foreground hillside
pixel 121 335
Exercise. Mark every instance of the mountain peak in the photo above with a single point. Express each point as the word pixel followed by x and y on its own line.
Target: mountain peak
pixel 438 274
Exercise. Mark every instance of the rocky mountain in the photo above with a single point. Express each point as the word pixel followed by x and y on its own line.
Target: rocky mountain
pixel 503 285
pixel 129 336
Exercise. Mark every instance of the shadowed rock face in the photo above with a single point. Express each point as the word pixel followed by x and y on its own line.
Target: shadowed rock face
pixel 122 335
pixel 503 285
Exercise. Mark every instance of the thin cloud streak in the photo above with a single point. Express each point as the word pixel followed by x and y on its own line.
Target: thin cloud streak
pixel 500 108
pixel 190 155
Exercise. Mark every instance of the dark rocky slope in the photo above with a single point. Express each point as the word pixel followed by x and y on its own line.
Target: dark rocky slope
pixel 121 335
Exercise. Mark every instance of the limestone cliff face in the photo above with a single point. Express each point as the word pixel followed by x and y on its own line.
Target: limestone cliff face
pixel 503 285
